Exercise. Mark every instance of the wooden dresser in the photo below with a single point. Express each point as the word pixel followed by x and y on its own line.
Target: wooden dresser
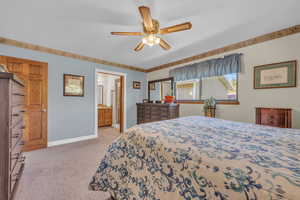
pixel 151 112
pixel 12 102
pixel 104 116
pixel 278 117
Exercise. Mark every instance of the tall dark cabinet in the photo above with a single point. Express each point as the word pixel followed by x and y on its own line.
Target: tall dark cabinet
pixel 12 100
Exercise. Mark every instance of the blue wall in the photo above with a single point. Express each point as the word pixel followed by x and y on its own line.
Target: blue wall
pixel 70 117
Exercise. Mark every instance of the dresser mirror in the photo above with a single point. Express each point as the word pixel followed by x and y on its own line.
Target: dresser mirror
pixel 158 89
pixel 3 68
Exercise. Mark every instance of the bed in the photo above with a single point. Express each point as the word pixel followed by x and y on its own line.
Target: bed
pixel 201 158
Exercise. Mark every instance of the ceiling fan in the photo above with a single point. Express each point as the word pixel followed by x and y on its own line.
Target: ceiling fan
pixel 152 30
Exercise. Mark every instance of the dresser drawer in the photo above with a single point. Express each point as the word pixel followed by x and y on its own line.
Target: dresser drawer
pixel 18 99
pixel 17 115
pixel 16 134
pixel 18 109
pixel 151 112
pixel 140 113
pixel 277 117
pixel 270 118
pixel 147 112
pixel 16 173
pixel 15 154
pixel 19 127
pixel 17 89
pixel 164 110
pixel 147 108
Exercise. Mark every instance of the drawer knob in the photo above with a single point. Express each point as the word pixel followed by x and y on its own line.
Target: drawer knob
pixel 15 179
pixel 18 94
pixel 22 159
pixel 16 156
pixel 15 115
pixel 16 176
pixel 15 135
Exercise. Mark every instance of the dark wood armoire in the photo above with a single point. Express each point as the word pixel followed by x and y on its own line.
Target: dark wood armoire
pixel 12 101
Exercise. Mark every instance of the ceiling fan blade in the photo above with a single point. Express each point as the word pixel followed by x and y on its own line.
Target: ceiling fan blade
pixel 176 28
pixel 164 44
pixel 127 33
pixel 146 16
pixel 139 47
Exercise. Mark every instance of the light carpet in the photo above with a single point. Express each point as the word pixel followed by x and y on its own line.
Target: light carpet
pixel 63 172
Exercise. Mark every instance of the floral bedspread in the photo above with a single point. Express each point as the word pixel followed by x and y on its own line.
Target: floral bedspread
pixel 202 158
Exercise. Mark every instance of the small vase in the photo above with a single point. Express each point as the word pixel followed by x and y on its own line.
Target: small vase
pixel 169 99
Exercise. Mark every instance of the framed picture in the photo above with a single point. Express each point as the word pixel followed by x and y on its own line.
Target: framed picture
pixel 152 86
pixel 277 75
pixel 136 85
pixel 73 85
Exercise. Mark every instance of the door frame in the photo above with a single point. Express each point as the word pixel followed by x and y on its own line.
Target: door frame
pixel 123 107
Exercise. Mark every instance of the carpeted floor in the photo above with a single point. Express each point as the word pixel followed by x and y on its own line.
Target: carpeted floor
pixel 63 172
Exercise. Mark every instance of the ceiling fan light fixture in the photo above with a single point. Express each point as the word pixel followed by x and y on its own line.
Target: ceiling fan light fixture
pixel 151 40
pixel 152 31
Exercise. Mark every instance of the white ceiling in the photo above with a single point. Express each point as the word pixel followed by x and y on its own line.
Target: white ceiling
pixel 84 26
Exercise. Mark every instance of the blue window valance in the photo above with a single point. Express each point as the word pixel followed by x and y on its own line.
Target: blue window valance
pixel 214 67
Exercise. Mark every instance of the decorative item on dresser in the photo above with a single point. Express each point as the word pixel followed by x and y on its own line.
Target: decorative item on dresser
pixel 151 112
pixel 12 100
pixel 278 117
pixel 104 115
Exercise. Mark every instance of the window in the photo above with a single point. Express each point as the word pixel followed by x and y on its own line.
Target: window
pixel 222 88
pixel 188 90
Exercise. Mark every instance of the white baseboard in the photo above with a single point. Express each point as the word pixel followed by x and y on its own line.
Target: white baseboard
pixel 71 140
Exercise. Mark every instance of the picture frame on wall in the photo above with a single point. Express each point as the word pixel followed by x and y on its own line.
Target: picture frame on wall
pixel 73 85
pixel 136 85
pixel 276 75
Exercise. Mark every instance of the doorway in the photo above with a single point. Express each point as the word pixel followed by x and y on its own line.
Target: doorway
pixel 110 101
pixel 34 74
